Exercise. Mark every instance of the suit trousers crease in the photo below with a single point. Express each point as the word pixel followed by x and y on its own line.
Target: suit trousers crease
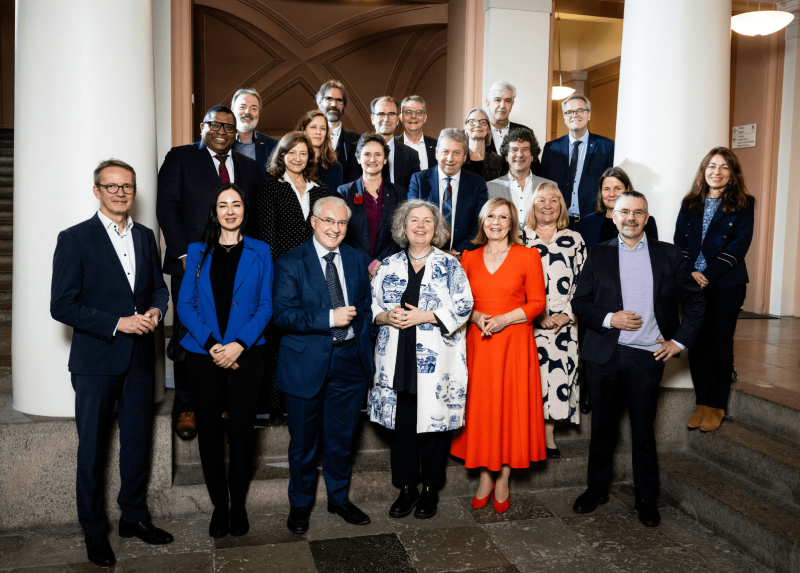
pixel 630 378
pixel 183 390
pixel 214 388
pixel 94 405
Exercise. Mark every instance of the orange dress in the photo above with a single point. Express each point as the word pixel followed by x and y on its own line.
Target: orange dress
pixel 504 418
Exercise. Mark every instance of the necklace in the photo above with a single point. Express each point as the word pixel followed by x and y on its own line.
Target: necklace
pixel 497 257
pixel 420 259
pixel 227 248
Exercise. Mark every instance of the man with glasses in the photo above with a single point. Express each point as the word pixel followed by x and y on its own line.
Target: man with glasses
pixel 322 301
pixel 186 183
pixel 332 101
pixel 246 104
pixel 414 114
pixel 113 352
pixel 627 297
pixel 403 161
pixel 577 160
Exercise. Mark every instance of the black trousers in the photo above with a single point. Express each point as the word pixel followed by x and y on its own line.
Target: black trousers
pixel 410 449
pixel 711 357
pixel 213 388
pixel 183 390
pixel 631 378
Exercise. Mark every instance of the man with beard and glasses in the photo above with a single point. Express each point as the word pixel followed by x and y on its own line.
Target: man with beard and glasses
pixel 246 105
pixel 332 101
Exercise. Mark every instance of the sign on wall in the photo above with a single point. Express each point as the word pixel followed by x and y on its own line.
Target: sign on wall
pixel 744 136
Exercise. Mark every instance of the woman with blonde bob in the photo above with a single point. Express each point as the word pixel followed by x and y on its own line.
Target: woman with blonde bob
pixel 504 428
pixel 563 253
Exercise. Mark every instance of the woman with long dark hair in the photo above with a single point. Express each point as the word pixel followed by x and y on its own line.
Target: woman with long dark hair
pixel 225 303
pixel 715 229
pixel 315 126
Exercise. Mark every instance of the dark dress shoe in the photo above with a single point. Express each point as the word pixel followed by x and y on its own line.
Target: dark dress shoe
pixel 218 528
pixel 145 531
pixel 239 523
pixel 350 513
pixel 553 453
pixel 588 501
pixel 428 503
pixel 276 420
pixel 409 495
pixel 99 551
pixel 648 512
pixel 298 519
pixel 186 428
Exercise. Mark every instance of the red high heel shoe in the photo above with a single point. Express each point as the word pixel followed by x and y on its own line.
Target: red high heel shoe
pixel 479 503
pixel 502 507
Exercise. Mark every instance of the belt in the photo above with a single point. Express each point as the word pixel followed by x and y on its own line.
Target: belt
pixel 340 343
pixel 574 217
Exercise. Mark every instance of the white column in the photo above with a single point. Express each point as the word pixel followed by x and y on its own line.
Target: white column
pixel 516 48
pixel 673 107
pixel 98 57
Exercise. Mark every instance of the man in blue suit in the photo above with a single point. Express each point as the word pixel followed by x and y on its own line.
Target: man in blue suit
pixel 246 104
pixel 322 301
pixel 332 101
pixel 576 161
pixel 459 193
pixel 113 351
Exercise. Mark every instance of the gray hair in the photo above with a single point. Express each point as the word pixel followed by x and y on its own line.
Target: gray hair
pixel 500 87
pixel 325 88
pixel 441 230
pixel 415 98
pixel 633 194
pixel 455 135
pixel 112 163
pixel 576 96
pixel 488 138
pixel 246 91
pixel 335 201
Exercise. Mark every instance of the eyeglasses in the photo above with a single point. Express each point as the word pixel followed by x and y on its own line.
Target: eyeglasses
pixel 579 111
pixel 113 188
pixel 215 125
pixel 329 100
pixel 639 213
pixel 331 222
pixel 381 115
pixel 474 122
pixel 413 112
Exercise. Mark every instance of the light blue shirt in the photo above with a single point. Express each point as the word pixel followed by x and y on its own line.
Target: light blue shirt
pixel 337 262
pixel 248 149
pixel 574 206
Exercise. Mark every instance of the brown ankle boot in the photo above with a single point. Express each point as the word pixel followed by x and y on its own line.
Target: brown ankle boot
pixel 697 418
pixel 712 419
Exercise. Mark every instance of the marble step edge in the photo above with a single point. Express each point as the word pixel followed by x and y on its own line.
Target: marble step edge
pixel 769 416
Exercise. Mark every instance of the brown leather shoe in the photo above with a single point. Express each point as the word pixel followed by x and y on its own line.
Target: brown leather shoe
pixel 712 419
pixel 186 428
pixel 697 418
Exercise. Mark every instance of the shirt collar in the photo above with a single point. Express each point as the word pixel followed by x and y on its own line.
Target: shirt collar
pixel 407 141
pixel 504 131
pixel 640 245
pixel 390 143
pixel 309 184
pixel 251 142
pixel 583 139
pixel 214 153
pixel 442 174
pixel 336 130
pixel 528 179
pixel 109 224
pixel 322 251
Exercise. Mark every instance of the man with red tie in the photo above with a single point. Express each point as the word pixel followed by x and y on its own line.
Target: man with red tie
pixel 186 183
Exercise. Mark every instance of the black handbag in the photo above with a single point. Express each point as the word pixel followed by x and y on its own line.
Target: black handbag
pixel 175 350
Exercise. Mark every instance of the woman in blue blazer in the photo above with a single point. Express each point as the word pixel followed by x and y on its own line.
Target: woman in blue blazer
pixel 715 229
pixel 225 303
pixel 372 200
pixel 315 126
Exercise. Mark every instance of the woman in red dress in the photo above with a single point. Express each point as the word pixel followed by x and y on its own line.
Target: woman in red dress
pixel 504 417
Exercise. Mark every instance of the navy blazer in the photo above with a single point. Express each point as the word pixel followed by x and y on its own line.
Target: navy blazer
pixel 186 184
pixel 251 307
pixel 430 148
pixel 511 125
pixel 727 241
pixel 264 147
pixel 90 292
pixel 600 292
pixel 302 311
pixel 346 154
pixel 592 224
pixel 555 166
pixel 471 195
pixel 405 164
pixel 333 178
pixel 358 228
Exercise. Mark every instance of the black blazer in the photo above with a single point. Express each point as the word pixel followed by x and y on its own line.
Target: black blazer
pixel 493 166
pixel 90 292
pixel 727 241
pixel 346 154
pixel 406 163
pixel 358 228
pixel 333 178
pixel 430 148
pixel 511 125
pixel 264 147
pixel 186 184
pixel 592 224
pixel 600 292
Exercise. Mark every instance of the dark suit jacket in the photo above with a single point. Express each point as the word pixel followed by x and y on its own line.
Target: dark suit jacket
pixel 727 241
pixel 600 292
pixel 333 178
pixel 430 148
pixel 358 228
pixel 186 184
pixel 406 163
pixel 264 147
pixel 346 154
pixel 592 224
pixel 511 125
pixel 471 195
pixel 302 308
pixel 90 292
pixel 555 166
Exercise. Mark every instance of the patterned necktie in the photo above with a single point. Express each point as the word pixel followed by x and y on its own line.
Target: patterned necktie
pixel 223 169
pixel 573 170
pixel 447 201
pixel 335 292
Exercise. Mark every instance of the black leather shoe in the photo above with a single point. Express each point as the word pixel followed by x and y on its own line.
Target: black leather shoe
pixel 409 495
pixel 99 551
pixel 350 513
pixel 428 503
pixel 145 531
pixel 553 453
pixel 298 519
pixel 648 512
pixel 218 528
pixel 588 501
pixel 239 523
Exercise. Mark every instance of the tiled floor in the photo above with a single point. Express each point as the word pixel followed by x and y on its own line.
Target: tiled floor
pixel 539 533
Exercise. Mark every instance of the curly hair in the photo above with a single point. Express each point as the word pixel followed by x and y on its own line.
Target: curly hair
pixel 441 230
pixel 734 197
pixel 521 135
pixel 276 166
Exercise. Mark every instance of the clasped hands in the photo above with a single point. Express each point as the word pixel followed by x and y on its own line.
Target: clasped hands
pixel 408 317
pixel 226 356
pixel 139 323
pixel 629 320
pixel 490 324
pixel 700 278
pixel 555 322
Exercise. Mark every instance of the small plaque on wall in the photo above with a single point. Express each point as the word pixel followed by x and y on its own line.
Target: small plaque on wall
pixel 744 136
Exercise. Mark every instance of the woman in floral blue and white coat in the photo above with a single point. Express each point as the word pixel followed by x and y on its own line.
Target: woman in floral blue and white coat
pixel 421 299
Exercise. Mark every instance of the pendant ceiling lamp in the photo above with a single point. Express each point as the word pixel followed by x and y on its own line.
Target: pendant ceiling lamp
pixel 560 91
pixel 760 23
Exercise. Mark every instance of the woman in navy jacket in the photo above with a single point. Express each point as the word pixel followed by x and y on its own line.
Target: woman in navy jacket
pixel 714 229
pixel 225 303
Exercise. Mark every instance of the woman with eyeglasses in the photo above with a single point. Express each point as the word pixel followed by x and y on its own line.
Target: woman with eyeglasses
pixel 315 126
pixel 481 160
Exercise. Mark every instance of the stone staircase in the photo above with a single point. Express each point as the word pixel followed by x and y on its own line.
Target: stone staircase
pixel 6 221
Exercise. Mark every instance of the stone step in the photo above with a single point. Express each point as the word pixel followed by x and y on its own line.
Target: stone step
pixel 7 180
pixel 5 296
pixel 7 169
pixel 6 204
pixel 6 260
pixel 6 160
pixel 5 277
pixel 6 246
pixel 757 522
pixel 6 190
pixel 5 315
pixel 6 217
pixel 6 149
pixel 769 416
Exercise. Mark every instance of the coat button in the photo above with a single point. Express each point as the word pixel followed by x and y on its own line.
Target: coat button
pixel 730 224
pixel 236 304
pixel 724 236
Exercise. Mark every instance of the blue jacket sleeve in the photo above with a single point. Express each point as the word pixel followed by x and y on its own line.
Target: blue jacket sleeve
pixel 414 187
pixel 466 244
pixel 254 328
pixel 187 299
pixel 286 294
pixel 737 247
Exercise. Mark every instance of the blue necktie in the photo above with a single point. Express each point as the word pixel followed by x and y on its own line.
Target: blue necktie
pixel 447 201
pixel 335 292
pixel 573 170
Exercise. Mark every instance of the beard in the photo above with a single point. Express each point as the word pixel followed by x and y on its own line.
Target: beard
pixel 245 126
pixel 630 231
pixel 333 114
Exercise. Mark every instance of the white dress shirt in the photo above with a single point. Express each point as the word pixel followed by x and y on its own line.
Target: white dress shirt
pixel 522 197
pixel 390 143
pixel 498 135
pixel 442 187
pixel 335 133
pixel 420 149
pixel 305 198
pixel 228 162
pixel 337 262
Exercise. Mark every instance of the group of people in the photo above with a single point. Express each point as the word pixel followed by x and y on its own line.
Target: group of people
pixel 314 271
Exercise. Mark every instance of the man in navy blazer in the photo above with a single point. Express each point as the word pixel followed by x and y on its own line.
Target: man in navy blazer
pixel 403 161
pixel 414 114
pixel 186 184
pixel 246 104
pixel 322 301
pixel 107 285
pixel 576 161
pixel 468 191
pixel 332 101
